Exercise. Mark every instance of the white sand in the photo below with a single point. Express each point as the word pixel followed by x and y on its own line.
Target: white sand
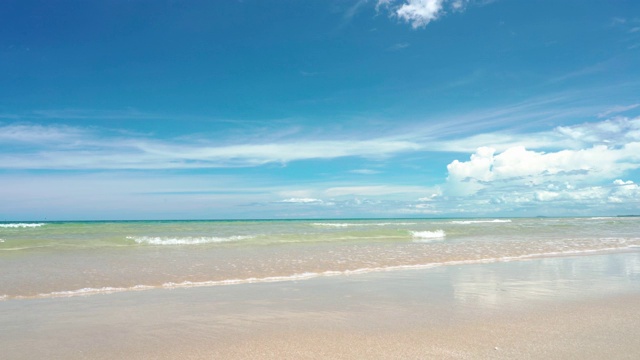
pixel 561 308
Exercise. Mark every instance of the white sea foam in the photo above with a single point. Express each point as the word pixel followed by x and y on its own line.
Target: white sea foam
pixel 90 291
pixel 312 275
pixel 426 236
pixel 363 224
pixel 154 240
pixel 21 225
pixel 480 221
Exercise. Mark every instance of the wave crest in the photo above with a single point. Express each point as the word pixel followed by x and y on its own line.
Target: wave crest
pixel 156 240
pixel 426 236
pixel 21 225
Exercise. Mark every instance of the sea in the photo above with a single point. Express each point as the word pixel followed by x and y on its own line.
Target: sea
pixel 84 258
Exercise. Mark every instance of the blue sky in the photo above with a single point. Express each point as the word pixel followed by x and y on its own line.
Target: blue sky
pixel 319 108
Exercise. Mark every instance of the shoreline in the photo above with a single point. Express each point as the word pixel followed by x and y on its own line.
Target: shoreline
pixel 108 290
pixel 544 308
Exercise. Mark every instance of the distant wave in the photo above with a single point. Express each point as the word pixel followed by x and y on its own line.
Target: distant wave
pixel 151 240
pixel 310 275
pixel 362 224
pixel 22 225
pixel 480 221
pixel 426 236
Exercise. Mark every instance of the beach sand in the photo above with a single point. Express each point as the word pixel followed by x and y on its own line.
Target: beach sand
pixel 585 307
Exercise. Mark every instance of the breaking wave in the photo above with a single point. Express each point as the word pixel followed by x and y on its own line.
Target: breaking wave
pixel 155 240
pixel 21 225
pixel 426 236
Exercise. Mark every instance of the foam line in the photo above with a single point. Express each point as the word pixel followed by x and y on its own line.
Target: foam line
pixel 465 222
pixel 309 275
pixel 21 225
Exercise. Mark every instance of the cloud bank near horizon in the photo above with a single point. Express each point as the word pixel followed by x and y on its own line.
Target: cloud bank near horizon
pixel 584 166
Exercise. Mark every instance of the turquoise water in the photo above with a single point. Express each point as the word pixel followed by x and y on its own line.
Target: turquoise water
pixel 49 259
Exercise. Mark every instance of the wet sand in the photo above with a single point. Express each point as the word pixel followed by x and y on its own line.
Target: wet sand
pixel 584 307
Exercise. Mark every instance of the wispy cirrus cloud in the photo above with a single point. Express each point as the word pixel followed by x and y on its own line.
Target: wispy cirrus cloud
pixel 398 46
pixel 39 134
pixel 65 147
pixel 364 171
pixel 302 201
pixel 617 109
pixel 60 147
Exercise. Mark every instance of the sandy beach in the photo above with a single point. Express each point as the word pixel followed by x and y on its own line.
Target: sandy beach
pixel 328 179
pixel 585 307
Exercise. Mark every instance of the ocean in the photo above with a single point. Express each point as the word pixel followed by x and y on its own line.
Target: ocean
pixel 68 259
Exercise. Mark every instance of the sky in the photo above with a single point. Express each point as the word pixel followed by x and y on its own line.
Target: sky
pixel 259 109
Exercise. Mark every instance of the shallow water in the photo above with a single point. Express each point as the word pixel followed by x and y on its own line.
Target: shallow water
pixel 78 258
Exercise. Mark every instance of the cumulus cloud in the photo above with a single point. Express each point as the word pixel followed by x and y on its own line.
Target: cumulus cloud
pixel 624 191
pixel 586 178
pixel 419 13
pixel 518 178
pixel 517 165
pixel 618 192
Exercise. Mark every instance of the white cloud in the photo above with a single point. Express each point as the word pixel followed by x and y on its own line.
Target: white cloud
pixel 459 5
pixel 376 190
pixel 420 12
pixel 364 171
pixel 617 109
pixel 431 197
pixel 57 147
pixel 522 166
pixel 624 191
pixel 353 10
pixel 517 177
pixel 615 131
pixel 302 200
pixel 398 46
pixel 21 133
pixel 628 192
pixel 618 130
